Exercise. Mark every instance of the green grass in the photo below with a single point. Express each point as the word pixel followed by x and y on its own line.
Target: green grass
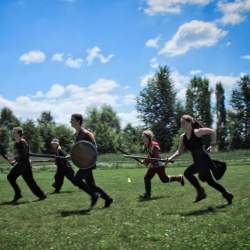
pixel 168 221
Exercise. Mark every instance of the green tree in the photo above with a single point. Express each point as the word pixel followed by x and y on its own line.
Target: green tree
pixel 8 119
pixel 130 138
pixel 32 134
pixel 156 106
pixel 198 100
pixel 64 134
pixel 92 118
pixel 46 117
pixel 105 138
pixel 221 126
pixel 239 115
pixel 198 103
pixel 106 127
pixel 6 139
pixel 46 126
pixel 109 116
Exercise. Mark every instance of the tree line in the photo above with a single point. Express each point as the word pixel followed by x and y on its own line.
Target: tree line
pixel 159 109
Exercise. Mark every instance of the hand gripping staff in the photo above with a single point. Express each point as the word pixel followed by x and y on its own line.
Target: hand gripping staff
pixel 140 157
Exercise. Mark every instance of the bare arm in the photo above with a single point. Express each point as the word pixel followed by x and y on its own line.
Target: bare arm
pixel 207 131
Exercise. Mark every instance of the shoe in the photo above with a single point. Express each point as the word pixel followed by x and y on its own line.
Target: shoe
pixel 182 180
pixel 43 197
pixel 229 197
pixel 94 200
pixel 200 196
pixel 145 196
pixel 56 191
pixel 53 185
pixel 17 197
pixel 108 202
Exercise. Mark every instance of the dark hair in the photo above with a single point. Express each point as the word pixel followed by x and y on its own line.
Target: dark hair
pixel 78 117
pixel 194 122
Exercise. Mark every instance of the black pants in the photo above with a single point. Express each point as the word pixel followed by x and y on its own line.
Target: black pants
pixel 62 172
pixel 27 175
pixel 89 185
pixel 202 168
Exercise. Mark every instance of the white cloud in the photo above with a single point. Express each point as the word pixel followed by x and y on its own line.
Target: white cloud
pixel 228 82
pixel 180 84
pixel 145 78
pixel 130 117
pixel 38 94
pixel 153 43
pixel 154 63
pixel 129 99
pixel 94 53
pixel 170 6
pixel 62 101
pixel 103 85
pixel 195 72
pixel 56 91
pixel 58 57
pixel 34 56
pixel 74 63
pixel 233 12
pixel 246 57
pixel 195 34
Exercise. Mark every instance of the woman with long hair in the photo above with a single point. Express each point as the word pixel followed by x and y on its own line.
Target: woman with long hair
pixel 191 139
pixel 152 149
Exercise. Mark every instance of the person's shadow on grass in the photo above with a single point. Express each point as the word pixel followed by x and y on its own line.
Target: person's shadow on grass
pixel 13 203
pixel 208 210
pixel 75 212
pixel 149 199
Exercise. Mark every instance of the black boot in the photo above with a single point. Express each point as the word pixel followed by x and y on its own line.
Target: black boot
pixel 108 202
pixel 147 194
pixel 17 197
pixel 229 197
pixel 200 195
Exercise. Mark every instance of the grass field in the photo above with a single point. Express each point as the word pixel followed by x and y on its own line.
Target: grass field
pixel 167 221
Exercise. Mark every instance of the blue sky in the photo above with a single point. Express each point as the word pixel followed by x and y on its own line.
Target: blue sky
pixel 65 55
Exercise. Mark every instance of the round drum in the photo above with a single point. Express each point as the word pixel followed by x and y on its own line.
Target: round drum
pixel 83 154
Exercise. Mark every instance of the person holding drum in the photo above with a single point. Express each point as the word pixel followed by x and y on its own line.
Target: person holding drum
pixel 64 169
pixel 86 174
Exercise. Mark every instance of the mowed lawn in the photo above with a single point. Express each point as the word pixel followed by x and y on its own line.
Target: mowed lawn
pixel 167 221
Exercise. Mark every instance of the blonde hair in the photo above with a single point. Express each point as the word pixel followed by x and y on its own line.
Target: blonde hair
pixel 19 130
pixel 148 134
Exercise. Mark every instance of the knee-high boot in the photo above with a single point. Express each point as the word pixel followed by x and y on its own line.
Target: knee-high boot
pixel 200 194
pixel 147 193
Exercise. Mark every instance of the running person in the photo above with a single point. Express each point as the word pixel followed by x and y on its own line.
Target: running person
pixel 192 140
pixel 64 169
pixel 22 167
pixel 152 149
pixel 88 185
